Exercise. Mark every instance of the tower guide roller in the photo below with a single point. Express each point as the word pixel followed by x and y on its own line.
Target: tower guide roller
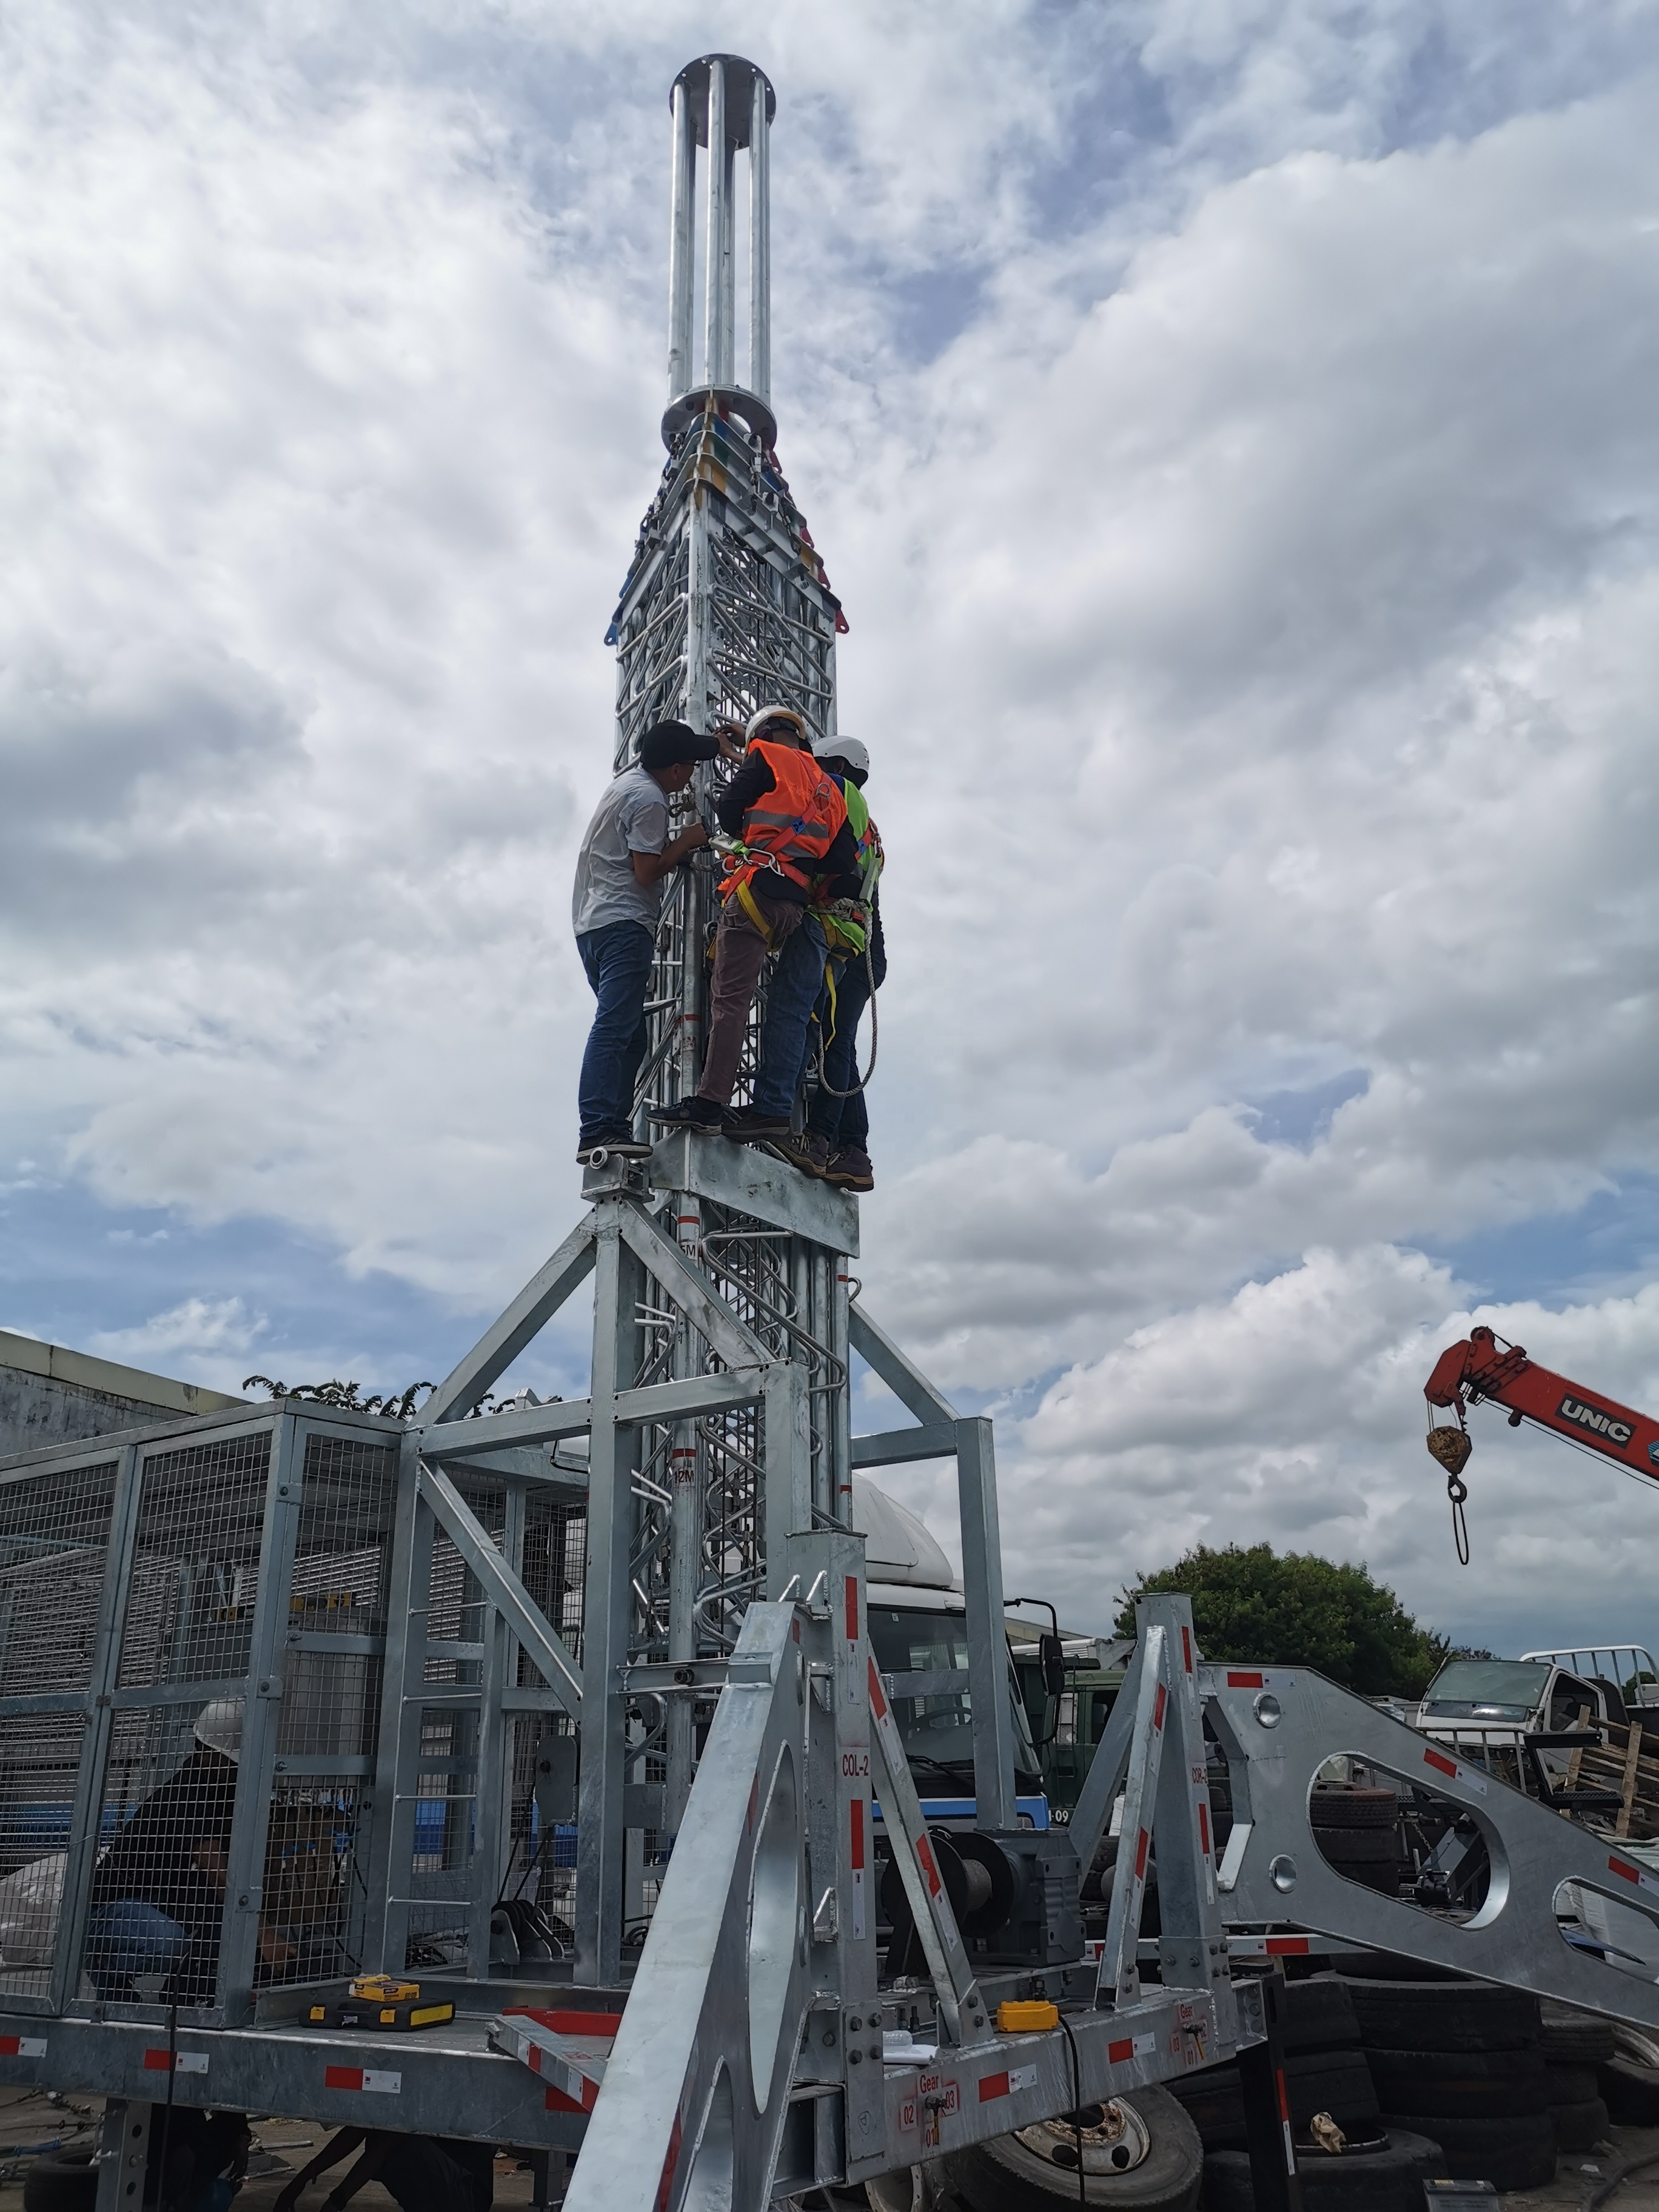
pixel 408 1620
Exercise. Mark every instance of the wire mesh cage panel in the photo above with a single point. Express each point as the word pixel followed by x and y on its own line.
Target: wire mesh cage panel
pixel 315 1893
pixel 54 1532
pixel 158 1890
pixel 39 1762
pixel 314 1896
pixel 195 1569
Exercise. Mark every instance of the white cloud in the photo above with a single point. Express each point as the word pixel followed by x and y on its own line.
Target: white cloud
pixel 199 1328
pixel 1231 431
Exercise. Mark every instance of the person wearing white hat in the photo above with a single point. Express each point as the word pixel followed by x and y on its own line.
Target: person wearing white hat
pixel 835 1145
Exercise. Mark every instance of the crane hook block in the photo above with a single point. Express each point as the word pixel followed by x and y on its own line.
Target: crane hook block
pixel 1451 1447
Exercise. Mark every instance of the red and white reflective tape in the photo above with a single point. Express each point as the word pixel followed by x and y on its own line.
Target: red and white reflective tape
pixel 1454 1771
pixel 186 2062
pixel 1128 2047
pixel 856 1811
pixel 1258 1678
pixel 993 2086
pixel 1269 1946
pixel 1161 1699
pixel 371 2080
pixel 22 2046
pixel 1627 1870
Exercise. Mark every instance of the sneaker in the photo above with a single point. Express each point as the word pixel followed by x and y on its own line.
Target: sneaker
pixel 622 1145
pixel 806 1151
pixel 746 1126
pixel 693 1113
pixel 850 1169
pixel 586 1143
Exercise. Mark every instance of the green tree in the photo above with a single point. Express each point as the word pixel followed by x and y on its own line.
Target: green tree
pixel 1301 1611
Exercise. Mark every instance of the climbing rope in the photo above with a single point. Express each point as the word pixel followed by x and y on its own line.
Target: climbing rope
pixel 875 1037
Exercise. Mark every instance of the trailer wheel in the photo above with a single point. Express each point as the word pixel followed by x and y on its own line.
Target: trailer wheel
pixel 1006 2175
pixel 61 2181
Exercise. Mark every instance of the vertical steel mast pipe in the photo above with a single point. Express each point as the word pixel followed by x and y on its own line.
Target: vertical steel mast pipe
pixel 760 242
pixel 717 265
pixel 681 249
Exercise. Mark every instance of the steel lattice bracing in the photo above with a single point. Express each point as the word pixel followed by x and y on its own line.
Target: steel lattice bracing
pixel 725 609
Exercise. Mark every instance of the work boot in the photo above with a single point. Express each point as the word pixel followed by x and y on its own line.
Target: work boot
pixel 746 1127
pixel 806 1151
pixel 850 1169
pixel 692 1112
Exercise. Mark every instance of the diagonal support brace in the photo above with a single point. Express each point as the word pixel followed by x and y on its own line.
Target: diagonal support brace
pixel 1119 1980
pixel 502 1586
pixel 961 2006
pixel 507 1337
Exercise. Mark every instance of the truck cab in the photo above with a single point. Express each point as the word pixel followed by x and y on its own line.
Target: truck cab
pixel 918 1624
pixel 1486 1710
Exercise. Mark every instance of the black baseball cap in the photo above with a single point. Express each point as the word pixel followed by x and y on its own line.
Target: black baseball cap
pixel 666 743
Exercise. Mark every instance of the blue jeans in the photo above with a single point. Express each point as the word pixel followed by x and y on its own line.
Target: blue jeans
pixel 131 1936
pixel 617 959
pixel 843 1121
pixel 791 994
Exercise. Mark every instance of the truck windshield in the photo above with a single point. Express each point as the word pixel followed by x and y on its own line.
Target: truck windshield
pixel 1486 1690
pixel 921 1651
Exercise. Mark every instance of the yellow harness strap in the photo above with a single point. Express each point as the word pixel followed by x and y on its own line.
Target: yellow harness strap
pixel 746 897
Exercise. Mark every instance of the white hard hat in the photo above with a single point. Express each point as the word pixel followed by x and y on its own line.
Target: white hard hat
pixel 219 1727
pixel 853 750
pixel 763 715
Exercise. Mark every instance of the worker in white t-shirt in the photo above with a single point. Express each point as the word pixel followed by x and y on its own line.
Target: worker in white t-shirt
pixel 626 856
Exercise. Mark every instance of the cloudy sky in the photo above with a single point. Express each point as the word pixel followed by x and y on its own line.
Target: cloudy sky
pixel 1232 429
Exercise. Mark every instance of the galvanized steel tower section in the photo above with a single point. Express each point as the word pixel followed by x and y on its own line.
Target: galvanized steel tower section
pixel 726 608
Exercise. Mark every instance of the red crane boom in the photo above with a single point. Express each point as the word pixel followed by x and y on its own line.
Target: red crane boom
pixel 1484 1367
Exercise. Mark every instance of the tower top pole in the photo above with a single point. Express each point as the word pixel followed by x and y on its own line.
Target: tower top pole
pixel 724 105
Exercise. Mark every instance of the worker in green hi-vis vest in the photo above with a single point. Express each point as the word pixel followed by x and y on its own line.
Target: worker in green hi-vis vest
pixel 836 1142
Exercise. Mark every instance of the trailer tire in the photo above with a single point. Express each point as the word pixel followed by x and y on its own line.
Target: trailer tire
pixel 1002 2175
pixel 1334 2081
pixel 1580 2126
pixel 1569 2085
pixel 62 2181
pixel 1570 2038
pixel 1445 2015
pixel 1346 1847
pixel 1514 2152
pixel 1339 1805
pixel 1470 2085
pixel 1387 2180
pixel 1319 2015
pixel 1630 2092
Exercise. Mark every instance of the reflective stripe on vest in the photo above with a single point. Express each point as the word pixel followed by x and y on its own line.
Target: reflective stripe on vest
pixel 795 822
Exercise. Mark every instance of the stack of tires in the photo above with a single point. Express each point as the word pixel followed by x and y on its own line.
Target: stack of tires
pixel 1575 2046
pixel 1462 2062
pixel 1381 2171
pixel 1357 1830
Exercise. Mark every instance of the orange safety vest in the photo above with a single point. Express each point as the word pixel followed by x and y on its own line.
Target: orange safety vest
pixel 791 826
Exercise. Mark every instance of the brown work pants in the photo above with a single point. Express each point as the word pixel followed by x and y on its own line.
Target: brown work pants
pixel 740 953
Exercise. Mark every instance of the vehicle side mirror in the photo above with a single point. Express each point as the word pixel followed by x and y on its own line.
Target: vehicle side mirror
pixel 1052 1656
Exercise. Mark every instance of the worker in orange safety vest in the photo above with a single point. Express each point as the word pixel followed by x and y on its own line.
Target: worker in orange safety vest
pixel 786 820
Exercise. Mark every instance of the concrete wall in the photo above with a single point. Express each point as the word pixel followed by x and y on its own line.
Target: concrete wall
pixel 50 1396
